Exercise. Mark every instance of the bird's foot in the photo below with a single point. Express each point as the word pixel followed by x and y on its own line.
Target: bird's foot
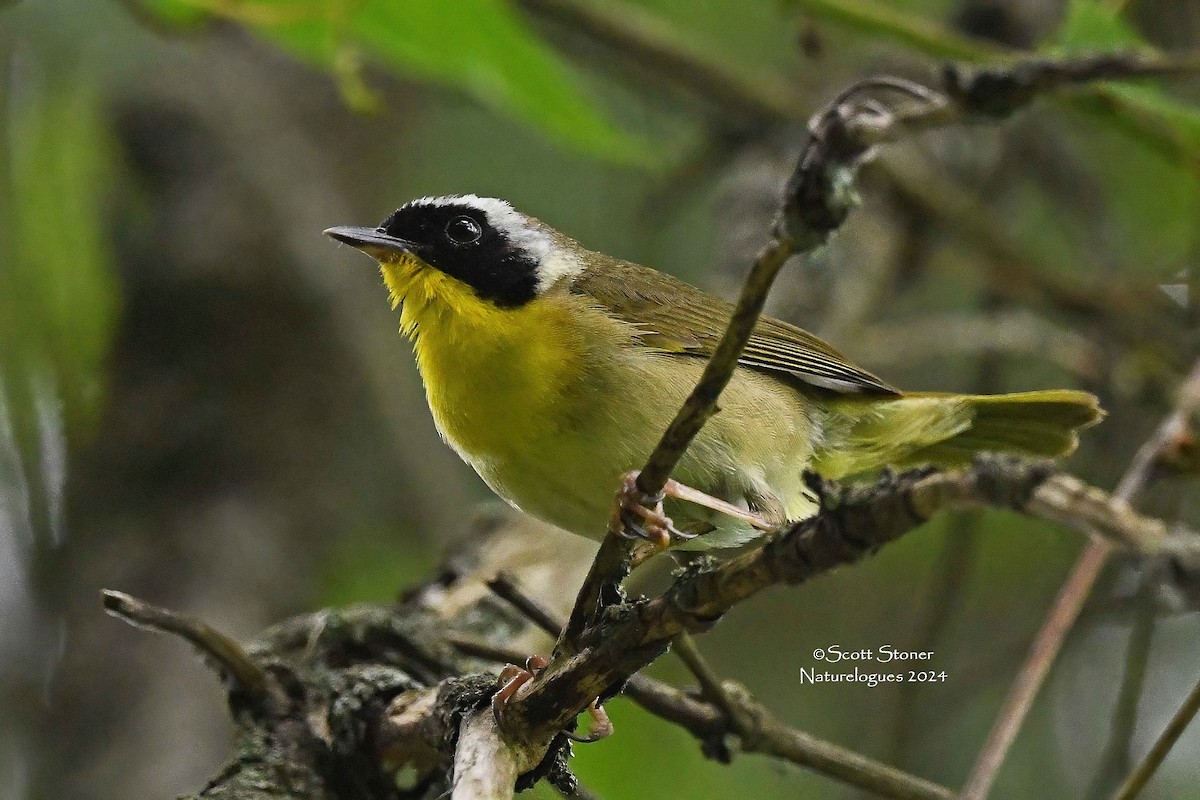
pixel 635 515
pixel 601 727
pixel 644 517
pixel 513 678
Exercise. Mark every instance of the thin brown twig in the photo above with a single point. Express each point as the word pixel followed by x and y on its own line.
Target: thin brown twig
pixel 1138 779
pixel 818 199
pixel 247 675
pixel 646 42
pixel 701 403
pixel 1042 654
pixel 506 588
pixel 842 137
pixel 759 732
pixel 1071 597
pixel 854 522
pixel 685 648
pixel 612 560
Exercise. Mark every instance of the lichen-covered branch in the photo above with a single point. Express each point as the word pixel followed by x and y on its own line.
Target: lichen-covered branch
pixel 854 522
pixel 376 696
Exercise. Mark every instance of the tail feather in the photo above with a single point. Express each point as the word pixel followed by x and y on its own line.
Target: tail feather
pixel 1030 423
pixel 949 429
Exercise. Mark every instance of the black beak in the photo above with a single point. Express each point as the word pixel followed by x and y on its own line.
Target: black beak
pixel 371 241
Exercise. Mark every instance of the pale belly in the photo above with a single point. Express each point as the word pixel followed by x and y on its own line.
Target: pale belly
pixel 565 465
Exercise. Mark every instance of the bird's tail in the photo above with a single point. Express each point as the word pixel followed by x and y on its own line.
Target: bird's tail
pixel 949 429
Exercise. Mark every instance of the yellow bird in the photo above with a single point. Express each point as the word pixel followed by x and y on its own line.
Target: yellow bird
pixel 553 370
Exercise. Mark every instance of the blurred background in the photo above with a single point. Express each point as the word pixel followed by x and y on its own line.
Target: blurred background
pixel 205 403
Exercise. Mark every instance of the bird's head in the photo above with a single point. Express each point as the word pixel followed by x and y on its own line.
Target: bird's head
pixel 502 256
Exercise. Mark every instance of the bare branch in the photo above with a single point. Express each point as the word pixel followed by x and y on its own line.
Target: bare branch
pixel 506 588
pixel 486 764
pixel 854 522
pixel 685 648
pixel 818 198
pixel 1158 753
pixel 247 676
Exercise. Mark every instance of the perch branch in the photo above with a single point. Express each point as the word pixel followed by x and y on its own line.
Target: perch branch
pixel 854 522
pixel 818 198
pixel 486 766
pixel 819 194
pixel 759 732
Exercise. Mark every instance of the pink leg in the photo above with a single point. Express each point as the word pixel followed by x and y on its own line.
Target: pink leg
pixel 683 492
pixel 601 727
pixel 651 524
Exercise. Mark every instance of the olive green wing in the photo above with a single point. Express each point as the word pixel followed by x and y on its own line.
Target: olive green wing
pixel 676 317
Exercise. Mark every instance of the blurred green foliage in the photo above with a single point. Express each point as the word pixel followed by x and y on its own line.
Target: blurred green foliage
pixel 57 161
pixel 480 46
pixel 58 299
pixel 601 151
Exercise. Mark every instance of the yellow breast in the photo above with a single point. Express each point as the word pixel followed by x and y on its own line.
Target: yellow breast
pixel 494 377
pixel 552 401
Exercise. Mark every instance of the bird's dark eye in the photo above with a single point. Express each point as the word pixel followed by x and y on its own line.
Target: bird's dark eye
pixel 463 230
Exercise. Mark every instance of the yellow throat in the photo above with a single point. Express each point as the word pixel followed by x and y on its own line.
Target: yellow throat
pixel 479 361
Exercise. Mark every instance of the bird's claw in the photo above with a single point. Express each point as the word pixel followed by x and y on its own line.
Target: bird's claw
pixel 513 678
pixel 636 516
pixel 601 727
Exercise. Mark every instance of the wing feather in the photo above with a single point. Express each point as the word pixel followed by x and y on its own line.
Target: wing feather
pixel 676 317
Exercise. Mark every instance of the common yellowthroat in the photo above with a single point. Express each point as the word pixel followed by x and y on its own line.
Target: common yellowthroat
pixel 553 370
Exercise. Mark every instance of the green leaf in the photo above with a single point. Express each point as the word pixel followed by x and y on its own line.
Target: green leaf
pixel 1090 26
pixel 1155 196
pixel 58 294
pixel 481 46
pixel 912 30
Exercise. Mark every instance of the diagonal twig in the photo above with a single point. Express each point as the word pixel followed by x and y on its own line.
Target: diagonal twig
pixel 599 650
pixel 1138 779
pixel 854 522
pixel 505 587
pixel 247 676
